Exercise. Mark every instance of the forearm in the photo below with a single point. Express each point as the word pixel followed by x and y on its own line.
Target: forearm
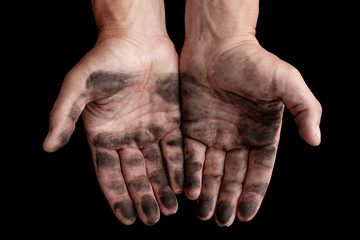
pixel 129 17
pixel 217 19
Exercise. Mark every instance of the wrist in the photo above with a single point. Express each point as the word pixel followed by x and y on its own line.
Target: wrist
pixel 208 21
pixel 129 18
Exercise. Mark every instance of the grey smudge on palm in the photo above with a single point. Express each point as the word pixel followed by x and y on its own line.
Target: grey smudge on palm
pixel 106 83
pixel 129 155
pixel 227 121
pixel 241 131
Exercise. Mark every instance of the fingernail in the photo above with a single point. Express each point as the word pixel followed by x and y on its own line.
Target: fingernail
pixel 318 133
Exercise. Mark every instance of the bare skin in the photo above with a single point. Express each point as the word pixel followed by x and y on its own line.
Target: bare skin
pixel 233 94
pixel 127 90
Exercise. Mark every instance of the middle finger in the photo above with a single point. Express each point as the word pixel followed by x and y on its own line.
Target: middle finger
pixel 138 185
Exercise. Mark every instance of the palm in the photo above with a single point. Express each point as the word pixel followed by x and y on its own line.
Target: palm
pixel 232 106
pixel 128 95
pixel 231 120
pixel 132 102
pixel 133 110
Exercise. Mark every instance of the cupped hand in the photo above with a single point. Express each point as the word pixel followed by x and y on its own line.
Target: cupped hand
pixel 233 94
pixel 128 94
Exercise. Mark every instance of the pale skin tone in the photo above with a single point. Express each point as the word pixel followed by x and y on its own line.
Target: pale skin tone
pixel 127 90
pixel 233 94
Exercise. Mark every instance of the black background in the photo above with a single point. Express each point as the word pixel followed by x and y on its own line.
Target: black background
pixel 312 190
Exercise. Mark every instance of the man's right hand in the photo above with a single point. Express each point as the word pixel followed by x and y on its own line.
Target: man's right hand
pixel 127 90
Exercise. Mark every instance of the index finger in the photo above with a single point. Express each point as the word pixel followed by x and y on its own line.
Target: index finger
pixel 260 167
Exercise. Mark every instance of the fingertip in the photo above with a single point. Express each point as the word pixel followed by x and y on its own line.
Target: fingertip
pixel 149 211
pixel 128 222
pixel 244 219
pixel 46 148
pixel 220 224
pixel 169 212
pixel 125 212
pixel 224 213
pixel 49 148
pixel 178 190
pixel 177 184
pixel 47 144
pixel 192 194
pixel 56 140
pixel 246 211
pixel 311 135
pixel 168 202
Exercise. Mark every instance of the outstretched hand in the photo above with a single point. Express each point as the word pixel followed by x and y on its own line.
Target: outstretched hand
pixel 128 95
pixel 233 94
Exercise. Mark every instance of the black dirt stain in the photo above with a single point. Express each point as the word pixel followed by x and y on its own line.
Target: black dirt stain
pixel 266 112
pixel 177 157
pixel 159 178
pixel 264 156
pixel 262 121
pixel 175 142
pixel 192 88
pixel 231 186
pixel 266 152
pixel 156 131
pixel 118 187
pixel 141 137
pixel 179 178
pixel 248 206
pixel 74 113
pixel 193 167
pixel 259 188
pixel 152 154
pixel 64 138
pixel 204 132
pixel 224 211
pixel 204 206
pixel 72 117
pixel 135 160
pixel 150 208
pixel 253 134
pixel 112 141
pixel 104 160
pixel 211 181
pixel 167 86
pixel 192 181
pixel 258 123
pixel 168 199
pixel 108 83
pixel 126 208
pixel 144 137
pixel 140 183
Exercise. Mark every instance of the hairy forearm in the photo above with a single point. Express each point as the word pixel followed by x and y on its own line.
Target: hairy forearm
pixel 218 19
pixel 129 17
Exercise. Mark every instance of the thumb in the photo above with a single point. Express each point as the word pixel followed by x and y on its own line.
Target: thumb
pixel 64 114
pixel 300 101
